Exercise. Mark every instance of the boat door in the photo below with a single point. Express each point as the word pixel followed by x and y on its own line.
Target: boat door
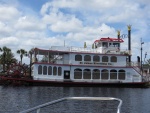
pixel 66 74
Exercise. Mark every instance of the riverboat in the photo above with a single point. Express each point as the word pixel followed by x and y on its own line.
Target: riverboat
pixel 104 64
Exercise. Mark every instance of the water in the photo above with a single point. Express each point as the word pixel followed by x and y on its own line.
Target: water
pixel 15 99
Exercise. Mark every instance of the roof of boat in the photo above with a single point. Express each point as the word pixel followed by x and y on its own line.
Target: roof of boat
pixel 109 40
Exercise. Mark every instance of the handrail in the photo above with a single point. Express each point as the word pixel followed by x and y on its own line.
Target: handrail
pixel 37 108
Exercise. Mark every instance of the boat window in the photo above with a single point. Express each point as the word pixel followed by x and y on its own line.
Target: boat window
pixel 44 70
pixel 110 45
pixel 121 75
pixel 54 70
pixel 49 70
pixel 86 74
pixel 116 44
pixel 39 69
pixel 87 58
pixel 96 58
pixel 113 74
pixel 77 74
pixel 105 44
pixel 113 59
pixel 78 58
pixel 59 71
pixel 105 59
pixel 96 74
pixel 104 74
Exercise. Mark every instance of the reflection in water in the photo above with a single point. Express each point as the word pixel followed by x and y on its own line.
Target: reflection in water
pixel 15 99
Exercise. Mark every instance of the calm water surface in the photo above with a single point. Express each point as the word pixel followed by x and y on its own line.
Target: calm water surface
pixel 16 99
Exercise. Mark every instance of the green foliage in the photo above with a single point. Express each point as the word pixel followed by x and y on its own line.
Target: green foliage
pixel 7 57
pixel 22 53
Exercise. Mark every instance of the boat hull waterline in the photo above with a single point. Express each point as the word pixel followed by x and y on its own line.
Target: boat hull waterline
pixel 67 83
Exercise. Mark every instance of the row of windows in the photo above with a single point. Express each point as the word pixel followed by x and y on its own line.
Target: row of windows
pixel 84 74
pixel 97 74
pixel 49 70
pixel 95 58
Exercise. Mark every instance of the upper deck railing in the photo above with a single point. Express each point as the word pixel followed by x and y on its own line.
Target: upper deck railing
pixel 38 108
pixel 104 50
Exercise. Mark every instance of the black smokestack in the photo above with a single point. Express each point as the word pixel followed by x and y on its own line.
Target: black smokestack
pixel 138 60
pixel 129 42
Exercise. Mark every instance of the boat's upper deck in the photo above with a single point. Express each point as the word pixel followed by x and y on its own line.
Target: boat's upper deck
pixel 105 51
pixel 102 46
pixel 102 50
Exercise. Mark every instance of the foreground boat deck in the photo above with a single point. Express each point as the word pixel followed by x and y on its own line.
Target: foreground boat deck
pixel 38 108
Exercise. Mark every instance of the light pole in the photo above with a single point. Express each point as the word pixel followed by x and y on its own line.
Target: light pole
pixel 141 56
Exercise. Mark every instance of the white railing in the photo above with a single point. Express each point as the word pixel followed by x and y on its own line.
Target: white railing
pixel 38 108
pixel 105 50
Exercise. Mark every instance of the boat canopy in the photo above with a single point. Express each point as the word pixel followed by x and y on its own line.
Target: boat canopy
pixel 109 40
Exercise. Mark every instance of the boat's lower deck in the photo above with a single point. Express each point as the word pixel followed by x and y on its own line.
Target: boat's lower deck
pixel 85 73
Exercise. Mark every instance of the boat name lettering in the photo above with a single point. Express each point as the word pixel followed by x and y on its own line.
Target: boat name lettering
pixel 96 63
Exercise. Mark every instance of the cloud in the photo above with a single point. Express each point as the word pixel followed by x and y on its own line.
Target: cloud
pixel 70 25
pixel 88 34
pixel 72 21
pixel 8 13
pixel 29 24
pixel 8 41
pixel 5 30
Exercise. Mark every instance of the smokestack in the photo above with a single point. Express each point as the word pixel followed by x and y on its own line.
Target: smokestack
pixel 138 60
pixel 129 42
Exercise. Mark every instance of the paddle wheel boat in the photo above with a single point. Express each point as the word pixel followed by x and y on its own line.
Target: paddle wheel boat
pixel 104 64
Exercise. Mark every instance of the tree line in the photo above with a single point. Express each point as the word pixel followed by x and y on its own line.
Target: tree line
pixel 7 57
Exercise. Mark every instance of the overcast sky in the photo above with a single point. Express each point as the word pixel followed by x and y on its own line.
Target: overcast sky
pixel 25 24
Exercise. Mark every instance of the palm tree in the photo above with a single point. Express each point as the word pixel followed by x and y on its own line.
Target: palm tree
pixel 10 59
pixel 7 57
pixel 22 53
